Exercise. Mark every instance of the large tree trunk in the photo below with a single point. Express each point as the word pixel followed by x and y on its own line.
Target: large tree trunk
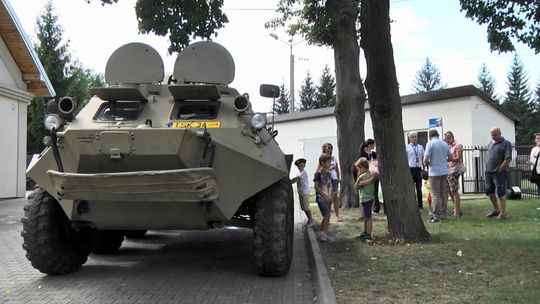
pixel 350 95
pixel 385 109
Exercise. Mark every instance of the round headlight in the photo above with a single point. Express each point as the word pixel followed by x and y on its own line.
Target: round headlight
pixel 52 121
pixel 258 121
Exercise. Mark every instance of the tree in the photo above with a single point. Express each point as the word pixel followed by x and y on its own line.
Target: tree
pixel 80 81
pixel 180 20
pixel 428 78
pixel 507 20
pixel 325 96
pixel 385 110
pixel 67 78
pixel 307 94
pixel 334 23
pixel 517 100
pixel 53 53
pixel 282 103
pixel 486 82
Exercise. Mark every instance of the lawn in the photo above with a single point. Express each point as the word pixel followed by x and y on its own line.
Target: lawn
pixel 470 260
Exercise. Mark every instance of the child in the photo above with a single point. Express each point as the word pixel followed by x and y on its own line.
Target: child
pixel 427 191
pixel 323 188
pixel 303 188
pixel 365 184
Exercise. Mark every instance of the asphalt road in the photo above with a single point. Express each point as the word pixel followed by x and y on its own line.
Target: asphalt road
pixel 214 266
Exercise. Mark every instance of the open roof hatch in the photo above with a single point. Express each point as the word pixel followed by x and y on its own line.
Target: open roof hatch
pixel 134 63
pixel 204 62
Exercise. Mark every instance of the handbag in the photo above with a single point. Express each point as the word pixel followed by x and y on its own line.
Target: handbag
pixel 534 178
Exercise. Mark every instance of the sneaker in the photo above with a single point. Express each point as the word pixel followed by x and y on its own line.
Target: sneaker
pixel 310 222
pixel 367 238
pixel 323 238
pixel 434 220
pixel 361 236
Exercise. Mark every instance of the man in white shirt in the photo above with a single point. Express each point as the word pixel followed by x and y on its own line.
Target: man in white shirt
pixel 415 155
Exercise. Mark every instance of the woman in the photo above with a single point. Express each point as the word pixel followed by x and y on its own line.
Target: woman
pixel 327 148
pixel 535 153
pixel 366 150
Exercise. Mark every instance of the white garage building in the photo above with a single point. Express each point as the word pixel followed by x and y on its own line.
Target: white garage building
pixel 466 111
pixel 22 77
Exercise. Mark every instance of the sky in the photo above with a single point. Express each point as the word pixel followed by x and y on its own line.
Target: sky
pixel 422 29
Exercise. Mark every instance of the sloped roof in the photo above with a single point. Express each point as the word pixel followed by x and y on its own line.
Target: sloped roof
pixel 431 96
pixel 22 51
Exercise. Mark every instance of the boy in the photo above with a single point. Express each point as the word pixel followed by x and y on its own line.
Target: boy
pixel 323 188
pixel 364 184
pixel 303 188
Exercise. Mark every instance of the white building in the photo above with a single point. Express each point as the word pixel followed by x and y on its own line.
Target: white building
pixel 466 111
pixel 22 77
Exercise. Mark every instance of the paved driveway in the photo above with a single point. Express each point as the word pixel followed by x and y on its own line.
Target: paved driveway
pixel 213 266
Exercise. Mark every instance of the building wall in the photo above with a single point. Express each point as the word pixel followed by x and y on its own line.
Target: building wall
pixel 14 101
pixel 470 118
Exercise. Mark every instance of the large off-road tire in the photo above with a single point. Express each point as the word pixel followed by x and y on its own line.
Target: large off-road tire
pixel 107 241
pixel 273 229
pixel 135 234
pixel 52 245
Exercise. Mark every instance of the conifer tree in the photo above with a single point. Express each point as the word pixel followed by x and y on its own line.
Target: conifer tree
pixel 68 78
pixel 307 94
pixel 486 82
pixel 326 96
pixel 517 100
pixel 282 103
pixel 428 78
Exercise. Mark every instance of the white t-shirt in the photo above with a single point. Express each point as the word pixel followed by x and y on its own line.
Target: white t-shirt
pixel 303 183
pixel 333 172
pixel 534 152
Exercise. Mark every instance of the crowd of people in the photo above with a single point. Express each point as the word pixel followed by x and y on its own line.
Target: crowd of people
pixel 440 165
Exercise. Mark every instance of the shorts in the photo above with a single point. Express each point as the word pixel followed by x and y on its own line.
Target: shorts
pixel 496 180
pixel 452 182
pixel 367 209
pixel 335 185
pixel 324 207
pixel 304 201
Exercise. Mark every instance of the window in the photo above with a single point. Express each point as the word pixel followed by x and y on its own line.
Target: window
pixel 195 110
pixel 119 111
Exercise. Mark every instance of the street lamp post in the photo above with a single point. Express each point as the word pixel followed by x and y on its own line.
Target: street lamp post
pixel 291 68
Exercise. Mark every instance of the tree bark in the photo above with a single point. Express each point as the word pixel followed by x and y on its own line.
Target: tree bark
pixel 385 109
pixel 350 95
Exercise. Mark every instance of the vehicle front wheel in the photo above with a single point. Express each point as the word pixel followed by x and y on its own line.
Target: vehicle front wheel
pixel 52 245
pixel 273 229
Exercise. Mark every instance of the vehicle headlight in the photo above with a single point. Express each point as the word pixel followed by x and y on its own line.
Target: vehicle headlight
pixel 258 121
pixel 52 121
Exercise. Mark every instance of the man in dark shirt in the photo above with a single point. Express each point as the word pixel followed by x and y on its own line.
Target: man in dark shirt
pixel 499 157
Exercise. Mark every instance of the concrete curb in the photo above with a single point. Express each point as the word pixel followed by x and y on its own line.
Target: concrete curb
pixel 321 281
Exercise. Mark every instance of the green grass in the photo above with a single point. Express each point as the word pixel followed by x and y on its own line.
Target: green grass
pixel 470 260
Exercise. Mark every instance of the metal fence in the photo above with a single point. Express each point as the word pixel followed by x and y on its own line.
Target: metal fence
pixel 474 159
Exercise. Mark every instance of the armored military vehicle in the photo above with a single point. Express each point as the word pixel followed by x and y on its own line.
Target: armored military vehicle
pixel 144 153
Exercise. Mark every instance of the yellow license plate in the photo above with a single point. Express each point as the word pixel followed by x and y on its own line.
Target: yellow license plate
pixel 196 124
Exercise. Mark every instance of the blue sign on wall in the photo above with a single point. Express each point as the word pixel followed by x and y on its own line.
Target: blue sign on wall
pixel 436 123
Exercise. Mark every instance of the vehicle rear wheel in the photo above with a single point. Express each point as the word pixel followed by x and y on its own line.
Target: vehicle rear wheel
pixel 136 234
pixel 107 241
pixel 273 229
pixel 52 245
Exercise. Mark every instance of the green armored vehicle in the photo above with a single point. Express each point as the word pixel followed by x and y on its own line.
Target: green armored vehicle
pixel 142 154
